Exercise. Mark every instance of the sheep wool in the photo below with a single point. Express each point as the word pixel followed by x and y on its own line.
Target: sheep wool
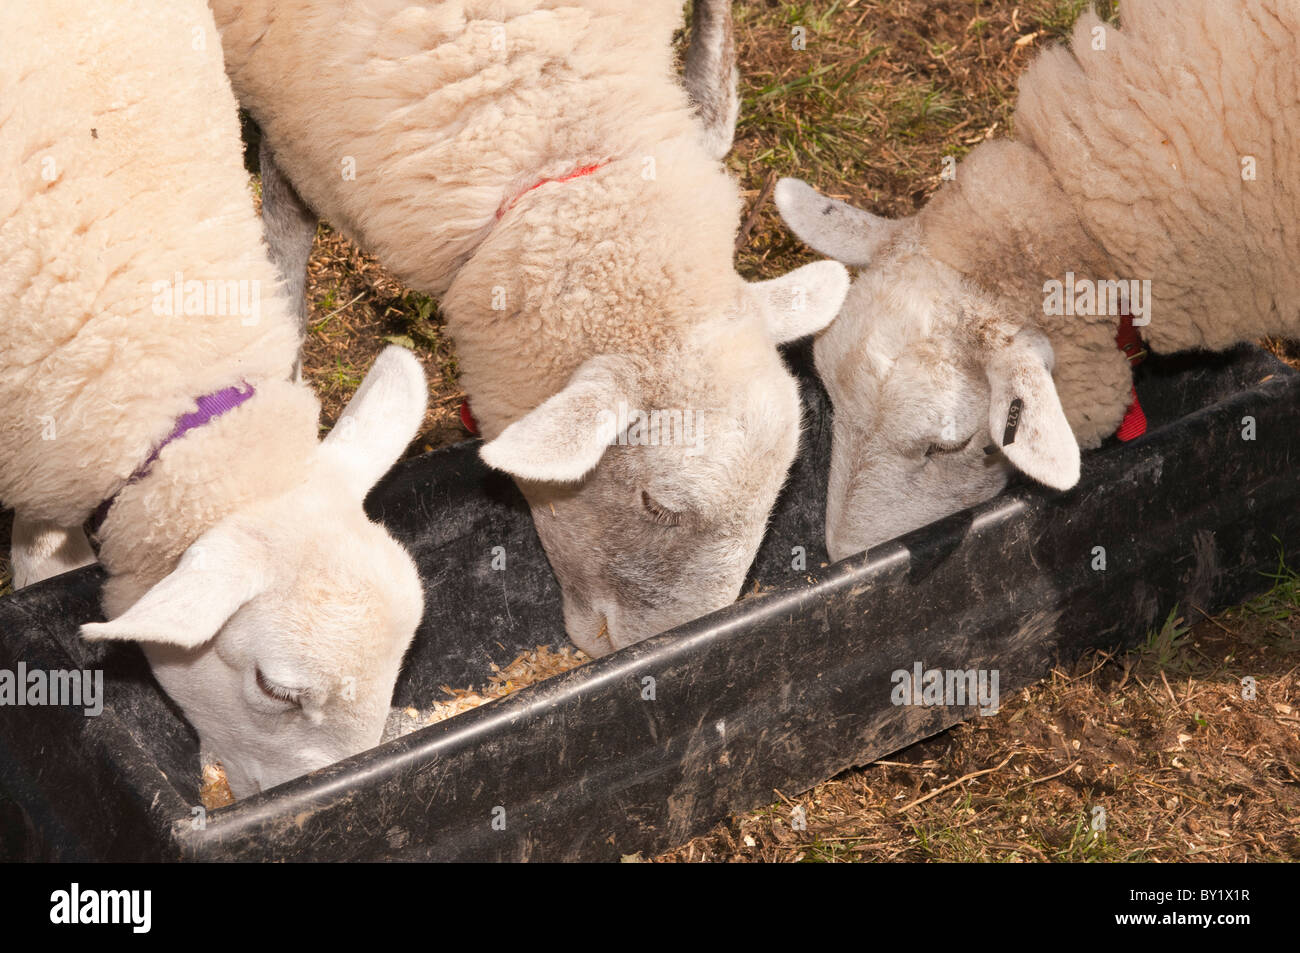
pixel 1163 151
pixel 133 279
pixel 454 112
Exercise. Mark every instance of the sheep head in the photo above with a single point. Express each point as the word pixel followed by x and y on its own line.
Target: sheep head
pixel 281 630
pixel 939 388
pixel 651 478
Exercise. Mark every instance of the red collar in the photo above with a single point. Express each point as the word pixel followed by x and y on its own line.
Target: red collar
pixel 1128 340
pixel 466 415
pixel 575 174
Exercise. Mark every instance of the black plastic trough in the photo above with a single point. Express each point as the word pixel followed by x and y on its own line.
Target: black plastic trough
pixel 781 690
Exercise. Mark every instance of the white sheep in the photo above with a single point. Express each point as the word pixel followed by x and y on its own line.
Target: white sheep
pixel 135 290
pixel 537 165
pixel 1153 169
pixel 709 77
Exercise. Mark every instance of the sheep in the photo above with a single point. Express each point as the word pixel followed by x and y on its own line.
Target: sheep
pixel 145 356
pixel 711 82
pixel 1152 174
pixel 537 165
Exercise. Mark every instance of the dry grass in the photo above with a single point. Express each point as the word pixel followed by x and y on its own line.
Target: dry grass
pixel 358 308
pixel 1151 756
pixel 883 91
pixel 527 668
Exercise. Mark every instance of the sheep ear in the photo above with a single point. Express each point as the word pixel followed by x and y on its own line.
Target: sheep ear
pixel 220 572
pixel 564 438
pixel 1026 419
pixel 802 302
pixel 829 226
pixel 379 421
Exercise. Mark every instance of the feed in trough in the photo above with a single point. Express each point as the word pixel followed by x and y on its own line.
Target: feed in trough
pixel 527 668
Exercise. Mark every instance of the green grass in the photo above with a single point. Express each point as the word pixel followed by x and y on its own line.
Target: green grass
pixel 829 852
pixel 421 327
pixel 344 375
pixel 949 842
pixel 418 314
pixel 1282 602
pixel 1056 17
pixel 1166 648
pixel 854 116
pixel 841 102
pixel 913 108
pixel 329 302
pixel 1085 845
pixel 808 14
pixel 968 843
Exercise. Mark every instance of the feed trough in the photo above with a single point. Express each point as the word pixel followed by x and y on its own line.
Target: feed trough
pixel 649 746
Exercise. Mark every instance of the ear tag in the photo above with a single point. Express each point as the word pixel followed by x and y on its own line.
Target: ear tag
pixel 1013 422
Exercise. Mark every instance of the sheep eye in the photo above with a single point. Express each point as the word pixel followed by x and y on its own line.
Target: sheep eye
pixel 659 514
pixel 278 692
pixel 938 448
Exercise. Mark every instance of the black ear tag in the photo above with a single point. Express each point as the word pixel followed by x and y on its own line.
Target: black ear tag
pixel 1013 422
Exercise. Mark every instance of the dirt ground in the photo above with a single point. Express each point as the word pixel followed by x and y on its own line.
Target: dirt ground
pixel 1150 756
pixel 1154 755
